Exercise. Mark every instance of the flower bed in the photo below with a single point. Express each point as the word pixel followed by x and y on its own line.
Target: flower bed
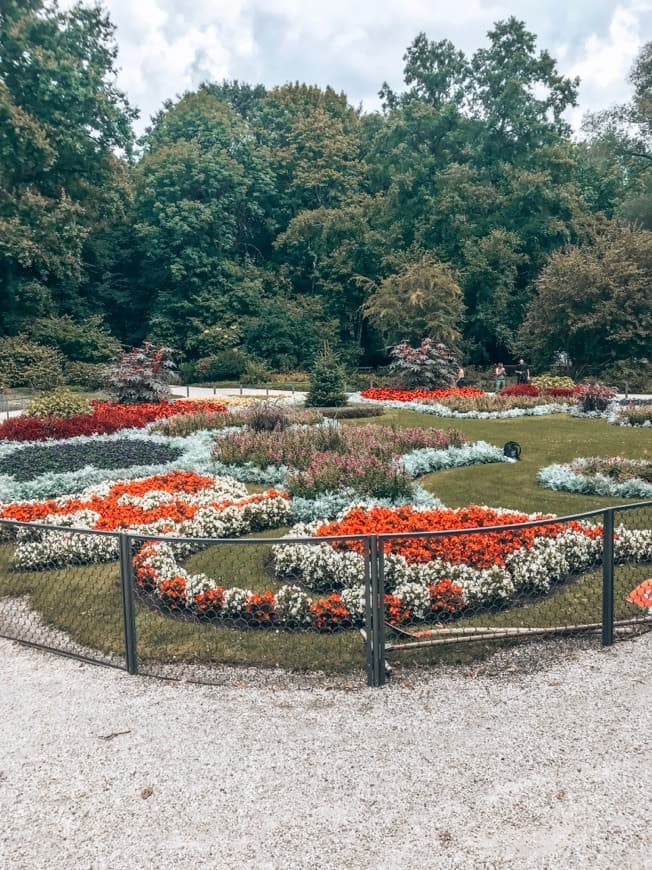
pixel 478 407
pixel 374 461
pixel 612 476
pixel 106 417
pixel 181 503
pixel 631 415
pixel 488 569
pixel 79 462
pixel 426 579
pixel 399 394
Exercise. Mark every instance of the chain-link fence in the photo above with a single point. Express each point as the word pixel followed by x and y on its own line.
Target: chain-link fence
pixel 188 608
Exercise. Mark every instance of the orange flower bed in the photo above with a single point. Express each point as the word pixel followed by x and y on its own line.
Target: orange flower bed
pixel 115 515
pixel 477 550
pixel 398 394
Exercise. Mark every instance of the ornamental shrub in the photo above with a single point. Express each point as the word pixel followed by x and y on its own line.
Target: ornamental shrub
pixel 225 366
pixel 58 403
pixel 595 397
pixel 87 375
pixel 25 363
pixel 429 365
pixel 327 380
pixel 548 381
pixel 143 374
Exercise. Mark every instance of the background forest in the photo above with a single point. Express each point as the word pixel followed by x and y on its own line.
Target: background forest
pixel 250 224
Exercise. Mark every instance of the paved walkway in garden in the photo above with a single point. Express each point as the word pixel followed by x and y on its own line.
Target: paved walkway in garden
pixel 212 392
pixel 539 758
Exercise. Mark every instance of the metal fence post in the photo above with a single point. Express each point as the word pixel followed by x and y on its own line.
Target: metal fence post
pixel 377 635
pixel 608 577
pixel 368 619
pixel 128 613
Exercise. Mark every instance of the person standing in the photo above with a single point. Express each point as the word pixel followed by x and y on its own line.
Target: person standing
pixel 459 381
pixel 522 372
pixel 500 377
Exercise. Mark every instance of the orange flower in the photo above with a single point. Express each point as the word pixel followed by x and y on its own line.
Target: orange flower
pixel 642 595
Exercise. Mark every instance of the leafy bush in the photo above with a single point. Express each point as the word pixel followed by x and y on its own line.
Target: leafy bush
pixel 429 365
pixel 267 417
pixel 58 403
pixel 595 397
pixel 86 340
pixel 548 381
pixel 143 374
pixel 256 372
pixel 225 366
pixel 25 363
pixel 327 380
pixel 84 374
pixel 636 375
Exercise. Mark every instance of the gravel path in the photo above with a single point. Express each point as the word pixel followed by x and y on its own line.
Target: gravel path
pixel 539 758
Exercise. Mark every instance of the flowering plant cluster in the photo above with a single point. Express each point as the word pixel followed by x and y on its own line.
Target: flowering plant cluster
pixel 159 574
pixel 465 407
pixel 142 374
pixel 631 415
pixel 105 418
pixel 312 460
pixel 597 475
pixel 398 394
pixel 37 469
pixel 180 503
pixel 522 561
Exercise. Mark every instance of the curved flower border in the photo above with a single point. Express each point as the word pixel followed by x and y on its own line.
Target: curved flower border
pixel 195 456
pixel 565 478
pixel 439 410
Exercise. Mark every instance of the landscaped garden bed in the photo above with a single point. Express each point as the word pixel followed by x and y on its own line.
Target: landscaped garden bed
pixel 596 475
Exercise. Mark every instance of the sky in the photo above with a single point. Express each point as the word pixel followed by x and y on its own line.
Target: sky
pixel 169 46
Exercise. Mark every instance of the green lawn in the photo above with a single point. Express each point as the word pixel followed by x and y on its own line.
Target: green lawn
pixel 85 601
pixel 544 440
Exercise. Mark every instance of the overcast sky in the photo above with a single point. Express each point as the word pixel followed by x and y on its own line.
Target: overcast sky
pixel 169 46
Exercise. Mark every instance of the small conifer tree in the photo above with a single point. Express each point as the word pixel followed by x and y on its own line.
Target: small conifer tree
pixel 327 381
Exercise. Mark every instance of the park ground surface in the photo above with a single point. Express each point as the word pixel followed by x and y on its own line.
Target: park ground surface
pixel 537 758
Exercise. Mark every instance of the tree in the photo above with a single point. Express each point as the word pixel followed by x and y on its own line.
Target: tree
pixel 594 302
pixel 62 120
pixel 421 298
pixel 327 381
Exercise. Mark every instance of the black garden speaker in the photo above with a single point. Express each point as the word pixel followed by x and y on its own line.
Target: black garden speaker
pixel 512 450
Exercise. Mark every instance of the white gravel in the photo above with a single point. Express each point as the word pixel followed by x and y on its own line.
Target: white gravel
pixel 538 758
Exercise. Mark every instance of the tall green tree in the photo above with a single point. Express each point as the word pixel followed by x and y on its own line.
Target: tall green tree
pixel 62 123
pixel 594 302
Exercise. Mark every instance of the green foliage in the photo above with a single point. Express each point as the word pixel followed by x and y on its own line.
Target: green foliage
pixel 631 374
pixel 421 298
pixel 594 302
pixel 86 340
pixel 24 363
pixel 58 403
pixel 229 365
pixel 61 122
pixel 89 376
pixel 327 380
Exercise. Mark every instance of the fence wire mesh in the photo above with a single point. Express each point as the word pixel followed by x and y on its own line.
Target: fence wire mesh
pixel 187 609
pixel 60 589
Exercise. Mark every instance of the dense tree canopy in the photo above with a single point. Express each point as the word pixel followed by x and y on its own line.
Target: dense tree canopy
pixel 255 223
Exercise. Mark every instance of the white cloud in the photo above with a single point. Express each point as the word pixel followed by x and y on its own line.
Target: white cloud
pixel 168 46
